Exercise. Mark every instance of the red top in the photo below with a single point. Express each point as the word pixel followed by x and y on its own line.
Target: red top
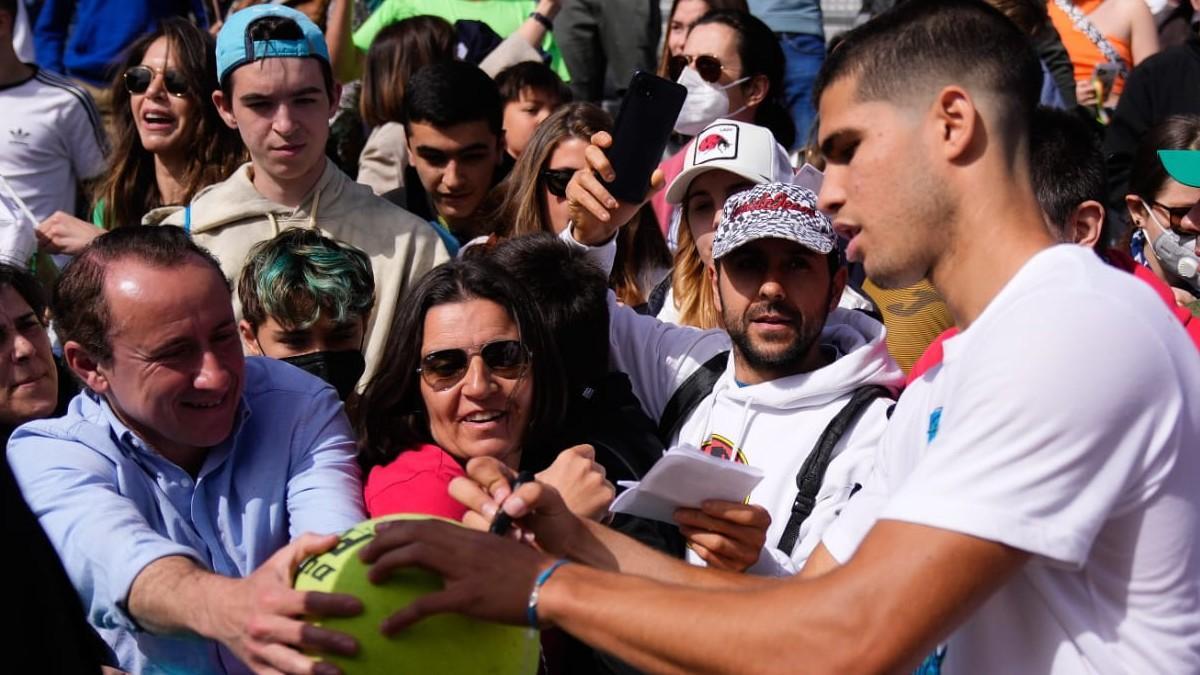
pixel 417 481
pixel 1119 260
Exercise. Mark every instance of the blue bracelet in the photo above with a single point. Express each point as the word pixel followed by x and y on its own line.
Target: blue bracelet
pixel 531 611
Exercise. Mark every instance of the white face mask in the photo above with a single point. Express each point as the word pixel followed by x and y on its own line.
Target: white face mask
pixel 1177 254
pixel 705 102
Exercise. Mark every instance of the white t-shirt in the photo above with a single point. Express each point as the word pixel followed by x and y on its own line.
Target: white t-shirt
pixel 1064 422
pixel 50 139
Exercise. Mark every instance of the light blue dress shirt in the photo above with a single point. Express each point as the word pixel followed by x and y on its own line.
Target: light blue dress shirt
pixel 111 505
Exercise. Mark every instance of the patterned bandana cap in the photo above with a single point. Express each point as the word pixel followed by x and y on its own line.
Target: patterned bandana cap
pixel 773 211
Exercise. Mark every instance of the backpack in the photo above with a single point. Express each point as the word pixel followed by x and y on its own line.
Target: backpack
pixel 808 480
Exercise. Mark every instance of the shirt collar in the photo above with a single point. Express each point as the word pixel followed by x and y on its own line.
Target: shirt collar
pixel 130 440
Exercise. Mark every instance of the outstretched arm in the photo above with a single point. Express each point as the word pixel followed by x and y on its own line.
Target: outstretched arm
pixel 258 617
pixel 908 587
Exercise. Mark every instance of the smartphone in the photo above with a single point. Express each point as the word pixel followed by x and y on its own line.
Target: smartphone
pixel 644 124
pixel 1106 75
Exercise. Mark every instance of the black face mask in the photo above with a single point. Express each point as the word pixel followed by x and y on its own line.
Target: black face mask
pixel 342 369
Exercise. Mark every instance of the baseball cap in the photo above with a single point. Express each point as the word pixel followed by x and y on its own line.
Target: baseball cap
pixel 773 211
pixel 747 150
pixel 1183 165
pixel 235 48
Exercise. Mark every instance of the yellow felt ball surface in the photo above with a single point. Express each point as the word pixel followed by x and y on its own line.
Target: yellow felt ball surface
pixel 446 644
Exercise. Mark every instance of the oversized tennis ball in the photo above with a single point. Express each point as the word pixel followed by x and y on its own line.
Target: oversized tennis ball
pixel 444 644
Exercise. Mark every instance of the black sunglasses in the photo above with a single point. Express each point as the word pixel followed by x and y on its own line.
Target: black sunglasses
pixel 447 367
pixel 1175 214
pixel 709 67
pixel 138 79
pixel 556 181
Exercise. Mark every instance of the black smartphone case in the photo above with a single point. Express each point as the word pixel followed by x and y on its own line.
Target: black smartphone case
pixel 644 124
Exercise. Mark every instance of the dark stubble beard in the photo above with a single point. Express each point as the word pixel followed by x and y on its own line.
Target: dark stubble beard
pixel 775 363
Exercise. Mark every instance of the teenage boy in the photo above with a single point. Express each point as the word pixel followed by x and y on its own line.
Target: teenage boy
pixel 452 116
pixel 530 91
pixel 277 90
pixel 306 300
pixel 1034 508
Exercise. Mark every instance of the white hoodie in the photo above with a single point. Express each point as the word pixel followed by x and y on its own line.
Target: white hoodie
pixel 773 425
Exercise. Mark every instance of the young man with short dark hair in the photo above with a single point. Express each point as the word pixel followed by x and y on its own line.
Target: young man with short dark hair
pixel 277 90
pixel 1032 508
pixel 452 118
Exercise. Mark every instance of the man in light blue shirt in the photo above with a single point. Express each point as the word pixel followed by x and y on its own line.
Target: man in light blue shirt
pixel 177 487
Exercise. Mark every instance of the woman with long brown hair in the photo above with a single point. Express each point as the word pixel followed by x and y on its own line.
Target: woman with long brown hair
pixel 168 141
pixel 535 199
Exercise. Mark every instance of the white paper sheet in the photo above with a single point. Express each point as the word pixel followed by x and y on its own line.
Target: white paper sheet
pixel 685 477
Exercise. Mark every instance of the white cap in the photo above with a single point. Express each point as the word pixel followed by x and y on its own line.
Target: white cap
pixel 745 149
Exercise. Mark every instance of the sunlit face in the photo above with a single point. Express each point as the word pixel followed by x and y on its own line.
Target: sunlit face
pixel 702 205
pixel 483 415
pixel 278 341
pixel 456 164
pixel 687 13
pixel 720 41
pixel 163 121
pixel 879 187
pixel 281 110
pixel 28 377
pixel 176 371
pixel 522 117
pixel 568 155
pixel 774 296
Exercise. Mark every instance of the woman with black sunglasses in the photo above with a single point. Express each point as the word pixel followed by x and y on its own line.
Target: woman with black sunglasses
pixel 469 371
pixel 1166 212
pixel 168 141
pixel 534 199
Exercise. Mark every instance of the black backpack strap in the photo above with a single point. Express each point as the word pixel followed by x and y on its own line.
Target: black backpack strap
pixel 689 394
pixel 812 473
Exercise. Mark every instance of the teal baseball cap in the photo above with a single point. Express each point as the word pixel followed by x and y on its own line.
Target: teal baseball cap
pixel 235 48
pixel 1183 165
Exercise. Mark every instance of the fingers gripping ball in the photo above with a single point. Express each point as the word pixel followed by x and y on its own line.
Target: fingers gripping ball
pixel 447 644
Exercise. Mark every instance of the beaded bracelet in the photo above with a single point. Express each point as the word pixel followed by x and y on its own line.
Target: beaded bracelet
pixel 531 610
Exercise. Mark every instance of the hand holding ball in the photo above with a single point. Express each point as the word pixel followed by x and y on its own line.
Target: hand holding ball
pixel 446 644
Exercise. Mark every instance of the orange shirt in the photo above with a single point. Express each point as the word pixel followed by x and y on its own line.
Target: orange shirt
pixel 1084 53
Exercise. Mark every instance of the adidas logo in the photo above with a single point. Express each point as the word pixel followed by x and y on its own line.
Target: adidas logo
pixel 19 135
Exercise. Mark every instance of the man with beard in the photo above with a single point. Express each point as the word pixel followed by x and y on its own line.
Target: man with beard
pixel 797 362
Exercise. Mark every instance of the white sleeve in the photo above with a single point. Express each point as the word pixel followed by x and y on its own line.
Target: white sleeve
pixel 604 255
pixel 1029 458
pixel 657 356
pixel 84 137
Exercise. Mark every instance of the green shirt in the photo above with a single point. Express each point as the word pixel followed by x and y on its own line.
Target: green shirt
pixel 503 16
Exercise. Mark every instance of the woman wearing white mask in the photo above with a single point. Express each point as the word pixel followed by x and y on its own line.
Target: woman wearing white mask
pixel 732 66
pixel 1164 205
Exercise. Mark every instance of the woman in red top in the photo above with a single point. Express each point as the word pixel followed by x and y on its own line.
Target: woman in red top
pixel 469 372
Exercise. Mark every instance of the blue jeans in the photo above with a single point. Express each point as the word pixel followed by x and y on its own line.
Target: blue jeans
pixel 803 56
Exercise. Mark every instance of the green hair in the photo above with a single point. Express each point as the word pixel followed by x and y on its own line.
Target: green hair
pixel 301 275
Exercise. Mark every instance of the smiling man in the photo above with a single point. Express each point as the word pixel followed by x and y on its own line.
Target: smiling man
pixel 178 486
pixel 452 117
pixel 277 90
